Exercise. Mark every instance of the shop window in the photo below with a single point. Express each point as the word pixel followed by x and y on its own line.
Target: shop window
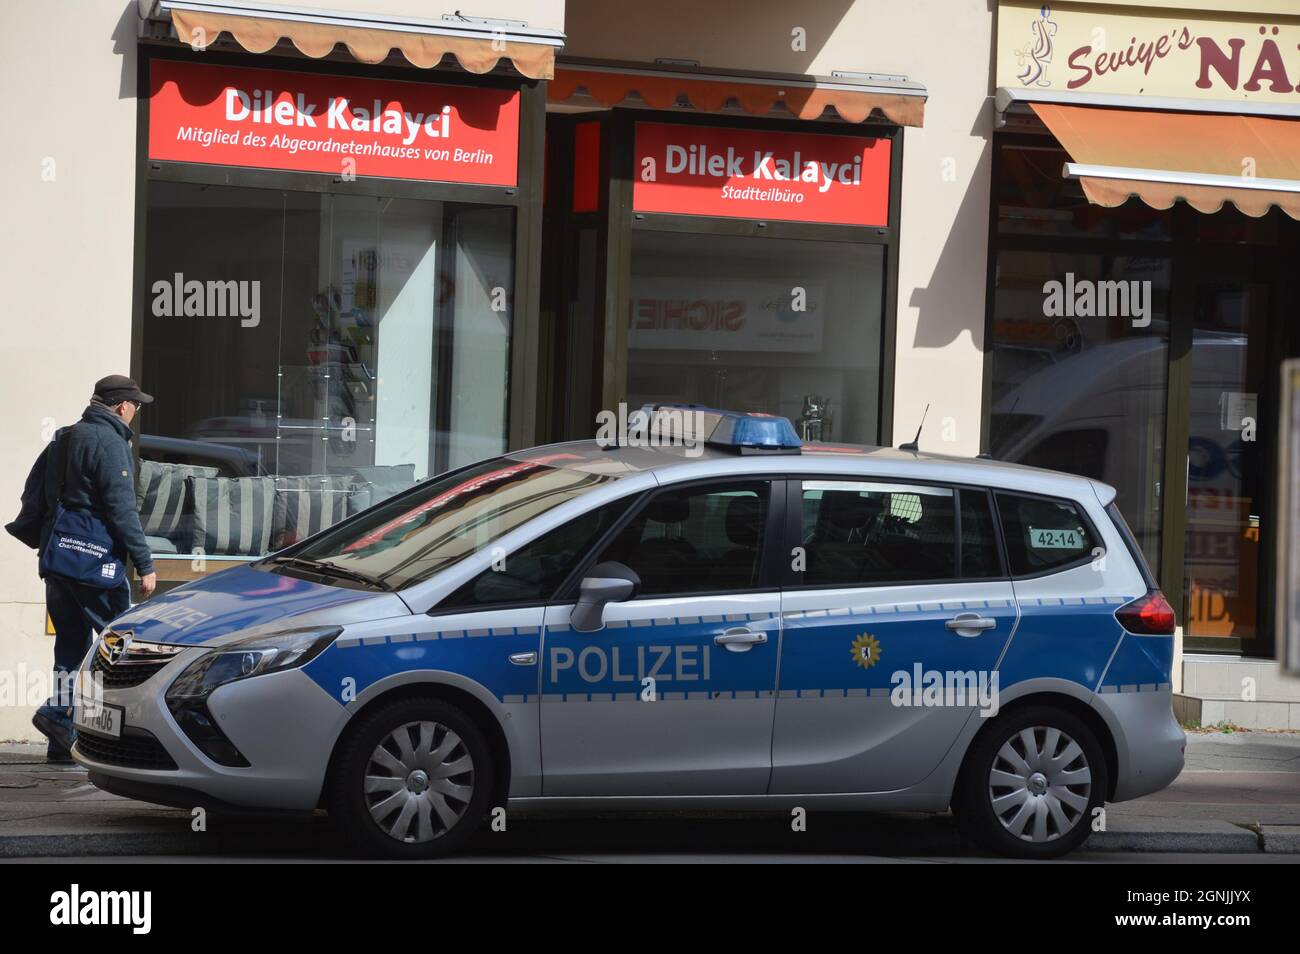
pixel 1080 354
pixel 1035 199
pixel 782 326
pixel 312 355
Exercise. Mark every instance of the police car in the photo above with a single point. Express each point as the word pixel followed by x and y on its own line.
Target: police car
pixel 736 619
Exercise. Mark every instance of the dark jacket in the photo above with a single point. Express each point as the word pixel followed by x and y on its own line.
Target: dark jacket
pixel 95 456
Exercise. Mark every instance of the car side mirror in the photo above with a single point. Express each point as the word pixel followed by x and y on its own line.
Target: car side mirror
pixel 608 582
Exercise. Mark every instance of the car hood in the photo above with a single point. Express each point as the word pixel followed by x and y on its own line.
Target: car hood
pixel 244 599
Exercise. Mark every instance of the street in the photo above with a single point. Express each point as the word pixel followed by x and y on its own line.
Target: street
pixel 1237 801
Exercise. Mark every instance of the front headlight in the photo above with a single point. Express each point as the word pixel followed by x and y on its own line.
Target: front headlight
pixel 187 698
pixel 254 656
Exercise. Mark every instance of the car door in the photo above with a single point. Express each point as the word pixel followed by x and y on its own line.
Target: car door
pixel 892 630
pixel 675 694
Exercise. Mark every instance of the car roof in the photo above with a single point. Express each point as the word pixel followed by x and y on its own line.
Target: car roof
pixel 673 464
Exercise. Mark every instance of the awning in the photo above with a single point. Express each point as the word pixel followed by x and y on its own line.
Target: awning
pixel 1202 158
pixel 478 45
pixel 894 98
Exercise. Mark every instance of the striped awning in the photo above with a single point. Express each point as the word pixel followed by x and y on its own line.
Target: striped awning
pixel 477 45
pixel 1202 158
pixel 893 99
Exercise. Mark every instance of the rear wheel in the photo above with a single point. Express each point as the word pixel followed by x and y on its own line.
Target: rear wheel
pixel 1031 784
pixel 412 780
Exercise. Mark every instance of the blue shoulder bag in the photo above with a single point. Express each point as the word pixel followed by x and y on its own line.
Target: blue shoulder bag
pixel 81 548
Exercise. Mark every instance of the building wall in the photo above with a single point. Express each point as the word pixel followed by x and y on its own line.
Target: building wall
pixel 68 250
pixel 944 228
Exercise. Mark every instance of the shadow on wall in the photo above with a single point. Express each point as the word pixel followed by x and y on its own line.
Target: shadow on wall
pixel 954 298
pixel 755 35
pixel 125 36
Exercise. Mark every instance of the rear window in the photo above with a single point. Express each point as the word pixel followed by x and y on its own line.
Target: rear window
pixel 1043 534
pixel 1130 541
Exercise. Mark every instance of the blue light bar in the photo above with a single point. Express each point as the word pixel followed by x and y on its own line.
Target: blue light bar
pixel 743 431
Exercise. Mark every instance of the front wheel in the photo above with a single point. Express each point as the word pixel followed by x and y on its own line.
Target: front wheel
pixel 1031 784
pixel 412 780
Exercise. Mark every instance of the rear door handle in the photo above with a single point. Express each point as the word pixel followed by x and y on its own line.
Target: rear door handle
pixel 969 624
pixel 739 640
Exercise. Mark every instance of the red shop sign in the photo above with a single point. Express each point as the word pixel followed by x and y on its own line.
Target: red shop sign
pixel 751 174
pixel 307 122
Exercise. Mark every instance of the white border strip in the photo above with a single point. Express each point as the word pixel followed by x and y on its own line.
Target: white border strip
pixel 469 29
pixel 1078 170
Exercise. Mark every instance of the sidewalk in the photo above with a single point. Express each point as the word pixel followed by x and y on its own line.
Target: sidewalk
pixel 1238 794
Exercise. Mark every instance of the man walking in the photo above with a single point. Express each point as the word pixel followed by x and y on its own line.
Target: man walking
pixel 87 467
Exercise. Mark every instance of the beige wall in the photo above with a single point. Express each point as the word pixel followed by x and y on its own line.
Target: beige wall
pixel 945 169
pixel 67 248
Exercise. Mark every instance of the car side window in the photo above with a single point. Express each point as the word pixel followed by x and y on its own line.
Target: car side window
pixel 695 539
pixel 859 533
pixel 1043 534
pixel 535 571
pixel 979 544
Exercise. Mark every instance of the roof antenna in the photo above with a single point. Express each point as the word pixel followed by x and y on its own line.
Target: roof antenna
pixel 912 445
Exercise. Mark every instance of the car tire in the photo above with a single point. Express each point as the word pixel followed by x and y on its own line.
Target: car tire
pixel 411 779
pixel 1031 784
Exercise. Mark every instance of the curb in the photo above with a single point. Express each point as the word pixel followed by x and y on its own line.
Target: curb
pixel 106 844
pixel 1199 842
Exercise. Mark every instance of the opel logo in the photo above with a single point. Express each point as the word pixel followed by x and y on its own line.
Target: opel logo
pixel 116 645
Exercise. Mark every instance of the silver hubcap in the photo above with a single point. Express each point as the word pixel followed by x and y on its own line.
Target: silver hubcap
pixel 419 781
pixel 1040 784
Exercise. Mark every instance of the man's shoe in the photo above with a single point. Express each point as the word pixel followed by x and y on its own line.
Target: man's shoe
pixel 54 755
pixel 55 725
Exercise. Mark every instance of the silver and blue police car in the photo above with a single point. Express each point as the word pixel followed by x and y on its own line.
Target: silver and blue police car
pixel 740 621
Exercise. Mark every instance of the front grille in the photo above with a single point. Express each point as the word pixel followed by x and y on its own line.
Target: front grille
pixel 135 749
pixel 124 676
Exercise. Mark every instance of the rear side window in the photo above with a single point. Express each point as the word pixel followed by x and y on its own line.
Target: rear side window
pixel 979 544
pixel 1043 534
pixel 859 533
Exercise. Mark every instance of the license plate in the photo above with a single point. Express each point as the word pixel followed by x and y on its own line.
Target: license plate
pixel 99 718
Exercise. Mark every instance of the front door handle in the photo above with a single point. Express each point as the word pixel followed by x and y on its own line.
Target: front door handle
pixel 739 640
pixel 970 624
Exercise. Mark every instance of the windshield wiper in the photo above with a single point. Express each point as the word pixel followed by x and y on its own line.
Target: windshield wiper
pixel 332 569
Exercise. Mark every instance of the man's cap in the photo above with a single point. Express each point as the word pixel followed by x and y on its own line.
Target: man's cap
pixel 116 388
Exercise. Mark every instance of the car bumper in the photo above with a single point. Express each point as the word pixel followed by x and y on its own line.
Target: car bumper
pixel 282 723
pixel 1149 742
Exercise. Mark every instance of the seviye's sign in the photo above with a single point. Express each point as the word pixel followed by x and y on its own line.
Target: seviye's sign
pixel 752 174
pixel 1154 51
pixel 343 125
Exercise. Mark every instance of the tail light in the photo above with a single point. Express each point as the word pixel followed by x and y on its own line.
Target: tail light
pixel 1149 615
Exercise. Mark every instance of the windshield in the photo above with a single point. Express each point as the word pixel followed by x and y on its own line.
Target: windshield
pixel 412 537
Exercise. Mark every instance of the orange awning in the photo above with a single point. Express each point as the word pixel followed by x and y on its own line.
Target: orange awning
pixel 478 48
pixel 807 98
pixel 1203 159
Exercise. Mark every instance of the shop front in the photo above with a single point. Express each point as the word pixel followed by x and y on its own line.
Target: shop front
pixel 332 264
pixel 1142 283
pixel 739 256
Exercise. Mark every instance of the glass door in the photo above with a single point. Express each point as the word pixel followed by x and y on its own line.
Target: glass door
pixel 1228 528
